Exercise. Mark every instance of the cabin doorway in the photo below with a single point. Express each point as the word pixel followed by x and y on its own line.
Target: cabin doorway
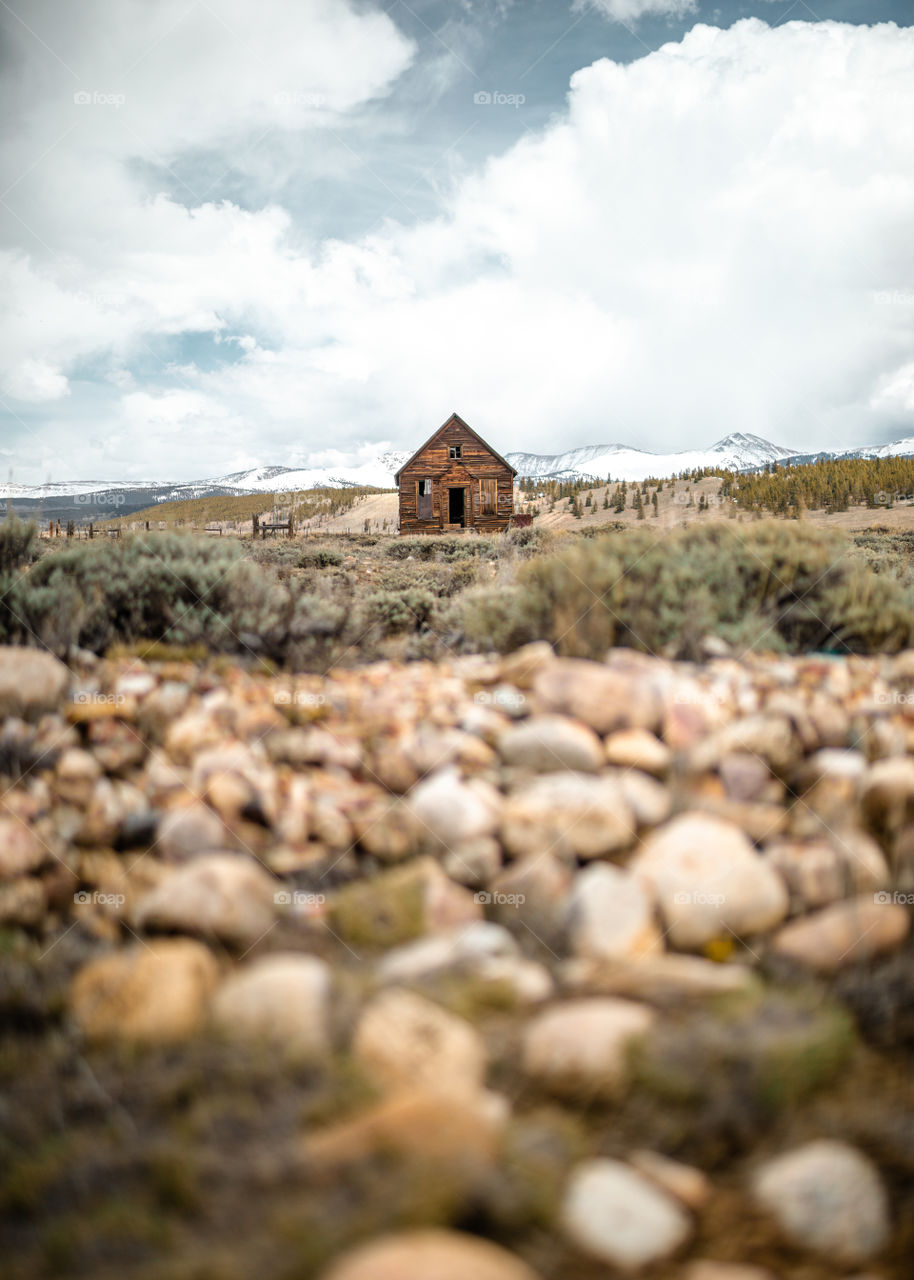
pixel 456 507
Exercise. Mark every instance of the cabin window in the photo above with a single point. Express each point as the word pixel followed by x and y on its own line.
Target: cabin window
pixel 424 499
pixel 488 493
pixel 455 451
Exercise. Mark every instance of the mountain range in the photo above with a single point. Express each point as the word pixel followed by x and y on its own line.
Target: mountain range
pixel 77 499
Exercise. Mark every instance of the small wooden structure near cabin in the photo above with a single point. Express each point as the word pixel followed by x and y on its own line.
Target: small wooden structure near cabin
pixel 455 481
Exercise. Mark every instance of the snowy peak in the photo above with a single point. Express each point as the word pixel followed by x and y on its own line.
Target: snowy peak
pixel 737 452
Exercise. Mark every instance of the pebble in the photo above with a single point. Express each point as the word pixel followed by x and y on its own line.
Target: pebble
pixel 611 915
pixel 638 749
pixel 845 933
pixel 221 895
pixel 31 681
pixel 544 744
pixel 75 776
pixel 571 814
pixel 709 881
pixel 429 1255
pixel 20 849
pixel 666 979
pixel 708 1269
pixel 580 1049
pixel 602 698
pixel 284 999
pixel 153 992
pixel 821 871
pixel 188 831
pixel 616 1215
pixel 827 1197
pixel 404 1040
pixel 450 811
pixel 688 1184
pixel 887 794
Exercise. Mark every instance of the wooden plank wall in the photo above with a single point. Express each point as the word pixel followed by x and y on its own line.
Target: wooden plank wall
pixel 433 463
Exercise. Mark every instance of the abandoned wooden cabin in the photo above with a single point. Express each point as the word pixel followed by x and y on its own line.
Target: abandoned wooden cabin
pixel 455 481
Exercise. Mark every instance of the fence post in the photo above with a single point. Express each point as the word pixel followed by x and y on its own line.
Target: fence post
pixel 256 523
pixel 91 529
pixel 70 528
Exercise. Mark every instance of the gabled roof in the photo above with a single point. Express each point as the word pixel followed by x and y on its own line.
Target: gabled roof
pixel 455 417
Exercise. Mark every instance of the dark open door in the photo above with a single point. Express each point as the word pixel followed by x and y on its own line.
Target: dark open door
pixel 456 506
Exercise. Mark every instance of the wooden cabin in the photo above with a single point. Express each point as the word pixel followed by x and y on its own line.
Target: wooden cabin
pixel 455 481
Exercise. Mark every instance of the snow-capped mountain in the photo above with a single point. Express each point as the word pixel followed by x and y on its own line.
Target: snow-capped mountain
pixel 737 452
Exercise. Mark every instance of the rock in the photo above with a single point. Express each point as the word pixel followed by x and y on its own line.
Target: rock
pixel 113 805
pixel 116 745
pixel 283 998
pixel 827 1197
pixel 23 901
pixel 650 801
pixel 708 881
pixel 521 667
pixel 429 1254
pixel 403 1041
pixel 580 1049
pixel 611 915
pixel 708 1269
pixel 532 895
pixel 746 778
pixel 153 992
pixel 614 1214
pixel 20 849
pixel 401 904
pixel 444 1130
pixel 662 979
pixel 545 744
pixel 192 732
pixel 222 895
pixel 188 831
pixel 571 814
pixel 821 871
pixel 769 737
pixel 830 782
pixel 638 749
pixel 844 934
pixel 685 1183
pixel 450 811
pixel 888 794
pixel 474 862
pixel 387 829
pixel 602 698
pixel 31 681
pixel 455 949
pixel 75 776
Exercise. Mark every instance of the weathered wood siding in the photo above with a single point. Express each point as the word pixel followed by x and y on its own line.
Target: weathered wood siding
pixel 475 463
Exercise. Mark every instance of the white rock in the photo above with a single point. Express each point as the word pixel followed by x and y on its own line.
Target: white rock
pixel 451 812
pixel 548 743
pixel 611 915
pixel 708 881
pixel 223 895
pixel 570 814
pixel 580 1048
pixel 827 1197
pixel 614 1214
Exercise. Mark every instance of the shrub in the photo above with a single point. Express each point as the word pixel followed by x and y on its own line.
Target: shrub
pixel 768 585
pixel 397 611
pixel 18 543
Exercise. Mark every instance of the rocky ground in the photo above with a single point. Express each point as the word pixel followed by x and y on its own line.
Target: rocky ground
pixel 507 968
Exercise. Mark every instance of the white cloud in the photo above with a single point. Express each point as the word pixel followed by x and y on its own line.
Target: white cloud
pixel 632 10
pixel 692 248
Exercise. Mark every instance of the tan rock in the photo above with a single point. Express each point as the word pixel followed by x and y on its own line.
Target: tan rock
pixel 650 801
pixel 429 1255
pixel 221 895
pixel 22 901
pixel 665 980
pixel 611 916
pixel 638 749
pixel 521 667
pixel 284 999
pixel 404 1040
pixel 821 871
pixel 20 849
pixel 686 1183
pixel 188 831
pixel 571 814
pixel 31 681
pixel 449 811
pixel 888 794
pixel 580 1048
pixel 75 776
pixel 845 933
pixel 708 880
pixel 605 699
pixel 708 1269
pixel 151 992
pixel 547 743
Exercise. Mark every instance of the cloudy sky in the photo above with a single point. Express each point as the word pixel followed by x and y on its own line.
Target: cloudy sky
pixel 238 233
